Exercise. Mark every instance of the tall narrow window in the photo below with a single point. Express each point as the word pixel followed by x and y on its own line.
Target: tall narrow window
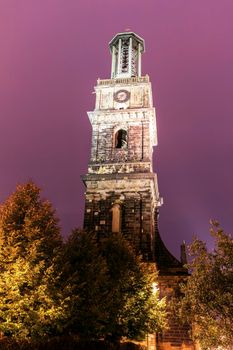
pixel 116 217
pixel 134 62
pixel 121 139
pixel 125 56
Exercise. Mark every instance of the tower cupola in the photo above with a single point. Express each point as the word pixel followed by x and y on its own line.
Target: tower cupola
pixel 126 49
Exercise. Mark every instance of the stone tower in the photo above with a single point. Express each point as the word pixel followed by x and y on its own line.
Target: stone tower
pixel 121 188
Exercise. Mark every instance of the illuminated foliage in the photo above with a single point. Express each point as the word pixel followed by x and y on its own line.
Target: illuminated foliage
pixel 28 223
pixel 108 289
pixel 208 294
pixel 133 304
pixel 27 309
pixel 29 237
pixel 88 287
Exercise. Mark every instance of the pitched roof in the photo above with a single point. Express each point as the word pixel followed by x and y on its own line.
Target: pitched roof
pixel 166 263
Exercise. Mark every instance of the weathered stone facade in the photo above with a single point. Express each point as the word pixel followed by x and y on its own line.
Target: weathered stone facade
pixel 123 175
pixel 121 188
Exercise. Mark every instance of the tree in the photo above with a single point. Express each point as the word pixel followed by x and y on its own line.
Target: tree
pixel 208 293
pixel 29 239
pixel 133 302
pixel 108 291
pixel 82 280
pixel 89 287
pixel 28 309
pixel 27 221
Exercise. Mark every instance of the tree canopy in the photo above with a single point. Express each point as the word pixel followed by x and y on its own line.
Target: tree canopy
pixel 82 280
pixel 91 287
pixel 29 238
pixel 28 223
pixel 208 294
pixel 108 289
pixel 134 306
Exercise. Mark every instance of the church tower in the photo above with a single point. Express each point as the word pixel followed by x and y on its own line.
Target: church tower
pixel 121 188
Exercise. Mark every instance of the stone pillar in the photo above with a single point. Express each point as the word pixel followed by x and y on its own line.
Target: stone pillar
pixel 119 58
pixel 116 218
pixel 139 60
pixel 113 72
pixel 130 56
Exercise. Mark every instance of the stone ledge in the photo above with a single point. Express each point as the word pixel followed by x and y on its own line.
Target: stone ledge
pixel 132 80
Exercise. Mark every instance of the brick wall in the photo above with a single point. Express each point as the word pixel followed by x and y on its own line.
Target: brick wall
pixel 178 336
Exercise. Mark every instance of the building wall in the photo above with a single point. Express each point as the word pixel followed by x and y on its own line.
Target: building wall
pixel 178 335
pixel 138 128
pixel 137 217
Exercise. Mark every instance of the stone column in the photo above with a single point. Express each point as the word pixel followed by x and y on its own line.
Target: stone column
pixel 139 60
pixel 130 56
pixel 119 58
pixel 113 72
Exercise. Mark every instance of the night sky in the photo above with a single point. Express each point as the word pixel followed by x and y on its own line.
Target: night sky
pixel 52 53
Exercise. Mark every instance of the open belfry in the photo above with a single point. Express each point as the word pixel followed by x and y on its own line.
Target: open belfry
pixel 121 188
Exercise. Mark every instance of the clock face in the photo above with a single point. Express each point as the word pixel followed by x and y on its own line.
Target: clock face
pixel 121 96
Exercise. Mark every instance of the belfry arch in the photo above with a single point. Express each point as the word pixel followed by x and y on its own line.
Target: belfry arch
pixel 121 138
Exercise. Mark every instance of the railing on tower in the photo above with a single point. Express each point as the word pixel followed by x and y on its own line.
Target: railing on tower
pixel 144 79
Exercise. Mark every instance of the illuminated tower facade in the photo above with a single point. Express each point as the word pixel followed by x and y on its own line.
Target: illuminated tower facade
pixel 121 188
pixel 122 192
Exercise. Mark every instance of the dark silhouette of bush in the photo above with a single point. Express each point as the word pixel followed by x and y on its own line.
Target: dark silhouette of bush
pixel 66 343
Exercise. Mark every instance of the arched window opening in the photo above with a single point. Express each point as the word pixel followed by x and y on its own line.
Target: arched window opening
pixel 116 218
pixel 121 139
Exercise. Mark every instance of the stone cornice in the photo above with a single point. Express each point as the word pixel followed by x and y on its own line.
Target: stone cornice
pixel 120 81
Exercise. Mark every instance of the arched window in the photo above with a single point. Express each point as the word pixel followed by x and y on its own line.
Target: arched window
pixel 121 139
pixel 116 217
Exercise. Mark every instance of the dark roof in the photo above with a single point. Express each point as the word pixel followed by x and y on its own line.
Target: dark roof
pixel 127 35
pixel 166 263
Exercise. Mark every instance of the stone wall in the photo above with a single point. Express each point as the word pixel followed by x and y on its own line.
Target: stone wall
pixel 139 140
pixel 178 336
pixel 137 223
pixel 140 94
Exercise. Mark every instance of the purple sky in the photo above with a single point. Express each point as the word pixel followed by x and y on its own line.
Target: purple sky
pixel 52 52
